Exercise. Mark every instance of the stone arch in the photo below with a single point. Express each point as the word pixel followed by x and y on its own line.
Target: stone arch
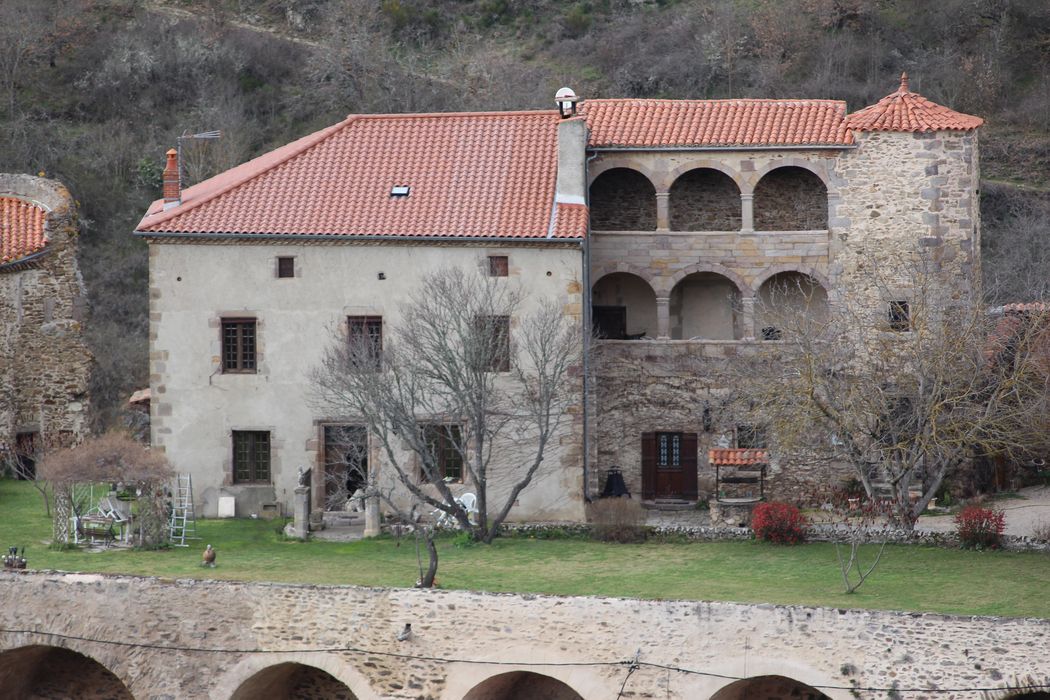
pixel 763 276
pixel 522 685
pixel 770 687
pixel 744 288
pixel 253 672
pixel 790 299
pixel 38 672
pixel 705 199
pixel 705 305
pixel 622 199
pixel 1030 695
pixel 624 304
pixel 790 198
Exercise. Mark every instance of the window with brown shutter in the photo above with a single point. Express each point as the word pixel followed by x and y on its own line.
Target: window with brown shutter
pixel 286 267
pixel 238 345
pixel 499 266
pixel 494 343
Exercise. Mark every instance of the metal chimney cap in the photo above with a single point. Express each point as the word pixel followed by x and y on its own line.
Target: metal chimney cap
pixel 566 100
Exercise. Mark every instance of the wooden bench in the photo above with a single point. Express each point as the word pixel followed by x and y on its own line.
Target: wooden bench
pixel 96 529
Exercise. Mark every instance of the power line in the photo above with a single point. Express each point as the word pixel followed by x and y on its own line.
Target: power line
pixel 632 664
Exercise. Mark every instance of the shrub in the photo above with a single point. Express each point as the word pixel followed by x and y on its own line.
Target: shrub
pixel 980 528
pixel 779 523
pixel 1042 531
pixel 618 520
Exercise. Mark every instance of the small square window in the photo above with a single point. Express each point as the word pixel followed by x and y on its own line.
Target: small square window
pixel 899 316
pixel 400 191
pixel 498 266
pixel 286 267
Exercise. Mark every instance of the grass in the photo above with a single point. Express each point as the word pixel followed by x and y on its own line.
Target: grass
pixel 909 578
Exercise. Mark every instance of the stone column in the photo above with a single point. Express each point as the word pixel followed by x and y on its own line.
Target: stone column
pixel 301 512
pixel 747 317
pixel 663 211
pixel 372 516
pixel 663 318
pixel 747 212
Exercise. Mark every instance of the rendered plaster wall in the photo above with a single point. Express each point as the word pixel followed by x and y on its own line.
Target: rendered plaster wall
pixel 196 406
pixel 44 362
pixel 467 638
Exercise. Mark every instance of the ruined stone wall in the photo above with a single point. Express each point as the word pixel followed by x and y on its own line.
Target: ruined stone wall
pixel 207 639
pixel 44 361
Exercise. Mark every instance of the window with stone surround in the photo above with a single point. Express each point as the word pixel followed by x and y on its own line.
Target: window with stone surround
pixel 251 456
pixel 499 266
pixel 238 346
pixel 899 316
pixel 444 446
pixel 493 343
pixel 623 200
pixel 366 340
pixel 285 267
pixel 705 200
pixel 790 199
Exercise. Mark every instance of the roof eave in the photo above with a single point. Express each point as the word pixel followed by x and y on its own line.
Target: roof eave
pixel 349 238
pixel 24 260
pixel 791 147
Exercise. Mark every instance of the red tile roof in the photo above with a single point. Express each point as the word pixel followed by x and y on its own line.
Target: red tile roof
pixel 21 229
pixel 737 457
pixel 662 123
pixel 904 110
pixel 470 175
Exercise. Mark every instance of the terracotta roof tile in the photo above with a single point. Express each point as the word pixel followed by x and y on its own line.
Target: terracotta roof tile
pixel 663 123
pixel 470 175
pixel 737 457
pixel 21 229
pixel 904 110
pixel 570 221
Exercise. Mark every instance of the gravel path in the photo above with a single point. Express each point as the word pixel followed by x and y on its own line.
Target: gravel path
pixel 1023 515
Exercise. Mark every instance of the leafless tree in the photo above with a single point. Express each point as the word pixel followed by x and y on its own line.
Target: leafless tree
pixel 469 374
pixel 906 393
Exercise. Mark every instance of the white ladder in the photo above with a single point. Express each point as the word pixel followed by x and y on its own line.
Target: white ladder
pixel 183 524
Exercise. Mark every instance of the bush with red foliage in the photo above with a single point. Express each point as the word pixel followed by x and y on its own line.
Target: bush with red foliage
pixel 780 523
pixel 980 528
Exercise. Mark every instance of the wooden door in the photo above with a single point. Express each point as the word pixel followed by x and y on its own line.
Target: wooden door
pixel 669 463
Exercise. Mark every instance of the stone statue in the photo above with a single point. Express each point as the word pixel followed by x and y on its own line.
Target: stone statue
pixel 304 476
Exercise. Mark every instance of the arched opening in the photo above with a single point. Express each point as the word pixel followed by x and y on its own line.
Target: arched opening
pixel 1033 695
pixel 705 200
pixel 522 685
pixel 624 307
pixel 38 672
pixel 769 688
pixel 790 199
pixel 705 305
pixel 790 301
pixel 293 680
pixel 623 200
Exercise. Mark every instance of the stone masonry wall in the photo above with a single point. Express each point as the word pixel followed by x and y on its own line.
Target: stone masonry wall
pixel 206 639
pixel 705 200
pixel 44 361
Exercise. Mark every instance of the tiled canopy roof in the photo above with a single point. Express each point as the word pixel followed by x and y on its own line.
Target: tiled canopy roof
pixel 469 175
pixel 21 229
pixel 737 457
pixel 663 123
pixel 904 110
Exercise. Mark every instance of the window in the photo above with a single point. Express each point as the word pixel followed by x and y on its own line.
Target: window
pixel 251 456
pixel 366 340
pixel 286 267
pixel 444 444
pixel 900 316
pixel 499 266
pixel 669 450
pixel 750 437
pixel 238 345
pixel 771 333
pixel 494 343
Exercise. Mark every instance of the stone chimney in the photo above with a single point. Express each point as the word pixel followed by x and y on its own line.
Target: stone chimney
pixel 172 189
pixel 572 161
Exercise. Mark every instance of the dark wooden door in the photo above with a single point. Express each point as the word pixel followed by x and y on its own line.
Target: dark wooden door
pixel 669 463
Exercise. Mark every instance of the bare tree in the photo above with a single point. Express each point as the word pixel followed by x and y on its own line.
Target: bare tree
pixel 904 394
pixel 468 380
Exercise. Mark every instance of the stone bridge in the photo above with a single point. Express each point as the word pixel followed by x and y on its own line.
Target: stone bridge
pixel 92 636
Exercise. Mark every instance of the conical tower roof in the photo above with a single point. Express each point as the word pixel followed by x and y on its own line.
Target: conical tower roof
pixel 905 110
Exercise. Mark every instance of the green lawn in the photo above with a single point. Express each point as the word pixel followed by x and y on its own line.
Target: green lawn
pixel 909 578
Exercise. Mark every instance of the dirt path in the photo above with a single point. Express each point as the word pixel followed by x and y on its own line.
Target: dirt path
pixel 1023 515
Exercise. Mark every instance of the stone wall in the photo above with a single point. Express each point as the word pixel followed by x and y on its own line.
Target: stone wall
pixel 790 199
pixel 622 200
pixel 44 362
pixel 705 200
pixel 168 640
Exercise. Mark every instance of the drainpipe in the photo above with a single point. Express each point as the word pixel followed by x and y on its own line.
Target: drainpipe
pixel 587 333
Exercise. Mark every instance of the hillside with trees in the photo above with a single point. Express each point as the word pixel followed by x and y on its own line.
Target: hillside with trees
pixel 92 92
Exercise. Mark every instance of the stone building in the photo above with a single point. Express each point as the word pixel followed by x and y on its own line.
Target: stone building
pixel 44 362
pixel 666 225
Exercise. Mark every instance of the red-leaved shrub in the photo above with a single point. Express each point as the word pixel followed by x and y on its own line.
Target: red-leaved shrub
pixel 980 528
pixel 779 523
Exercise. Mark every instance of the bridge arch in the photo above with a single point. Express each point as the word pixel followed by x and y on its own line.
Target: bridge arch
pixel 269 675
pixel 522 685
pixel 38 671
